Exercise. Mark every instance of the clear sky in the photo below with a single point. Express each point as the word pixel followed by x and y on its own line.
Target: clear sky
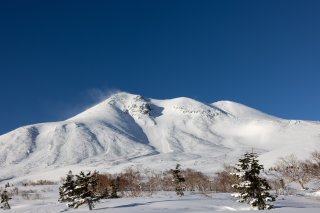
pixel 59 57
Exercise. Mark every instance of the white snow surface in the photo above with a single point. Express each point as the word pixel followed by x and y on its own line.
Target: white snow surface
pixel 43 199
pixel 127 130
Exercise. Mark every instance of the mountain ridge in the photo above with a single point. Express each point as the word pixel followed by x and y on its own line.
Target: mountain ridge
pixel 127 130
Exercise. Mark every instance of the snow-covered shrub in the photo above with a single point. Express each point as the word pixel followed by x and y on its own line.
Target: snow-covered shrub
pixel 15 191
pixel 313 166
pixel 252 188
pixel 131 182
pixel 42 182
pixel 103 185
pixel 38 183
pixel 277 183
pixel 30 195
pixel 115 187
pixel 223 180
pixel 195 181
pixel 153 181
pixel 293 170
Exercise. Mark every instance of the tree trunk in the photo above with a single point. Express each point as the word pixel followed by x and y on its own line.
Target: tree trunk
pixel 90 204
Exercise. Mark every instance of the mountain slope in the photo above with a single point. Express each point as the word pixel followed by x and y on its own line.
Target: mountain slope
pixel 128 129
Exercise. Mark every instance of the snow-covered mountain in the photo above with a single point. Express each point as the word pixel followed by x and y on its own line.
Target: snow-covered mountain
pixel 128 129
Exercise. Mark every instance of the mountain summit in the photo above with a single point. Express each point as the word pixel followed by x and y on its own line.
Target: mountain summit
pixel 128 129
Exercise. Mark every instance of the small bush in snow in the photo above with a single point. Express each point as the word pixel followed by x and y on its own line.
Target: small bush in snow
pixel 223 180
pixel 293 170
pixel 196 181
pixel 313 166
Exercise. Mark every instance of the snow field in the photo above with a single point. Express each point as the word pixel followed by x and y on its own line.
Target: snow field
pixel 46 202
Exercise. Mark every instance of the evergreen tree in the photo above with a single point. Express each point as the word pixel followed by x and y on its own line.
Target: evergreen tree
pixel 66 191
pixel 5 200
pixel 178 180
pixel 84 190
pixel 252 188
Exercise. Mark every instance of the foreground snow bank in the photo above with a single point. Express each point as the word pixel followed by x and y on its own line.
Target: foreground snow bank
pixel 44 199
pixel 316 194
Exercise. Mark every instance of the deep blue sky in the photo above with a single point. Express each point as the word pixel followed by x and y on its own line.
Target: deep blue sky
pixel 55 56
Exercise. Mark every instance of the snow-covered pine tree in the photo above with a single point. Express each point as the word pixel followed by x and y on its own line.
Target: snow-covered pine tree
pixel 252 188
pixel 84 190
pixel 66 191
pixel 178 180
pixel 5 200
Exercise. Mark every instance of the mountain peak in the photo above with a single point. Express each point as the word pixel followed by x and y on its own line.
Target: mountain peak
pixel 123 101
pixel 128 129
